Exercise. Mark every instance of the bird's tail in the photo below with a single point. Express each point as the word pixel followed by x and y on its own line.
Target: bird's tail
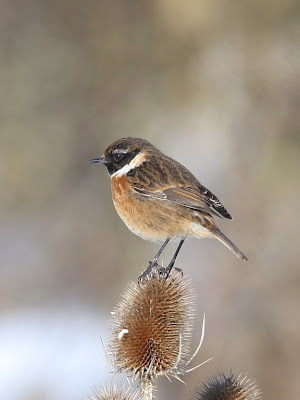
pixel 228 243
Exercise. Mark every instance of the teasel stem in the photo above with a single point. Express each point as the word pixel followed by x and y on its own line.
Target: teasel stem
pixel 147 389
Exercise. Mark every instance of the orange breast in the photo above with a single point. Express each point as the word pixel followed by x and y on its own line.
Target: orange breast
pixel 125 202
pixel 136 213
pixel 148 218
pixel 120 188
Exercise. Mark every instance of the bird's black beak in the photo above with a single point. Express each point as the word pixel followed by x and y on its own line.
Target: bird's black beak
pixel 99 160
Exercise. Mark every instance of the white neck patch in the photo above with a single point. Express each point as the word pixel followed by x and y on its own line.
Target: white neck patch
pixel 134 163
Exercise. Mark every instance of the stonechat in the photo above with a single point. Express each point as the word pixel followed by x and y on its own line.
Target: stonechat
pixel 159 199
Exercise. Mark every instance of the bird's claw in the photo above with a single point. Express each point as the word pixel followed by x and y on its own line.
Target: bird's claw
pixel 153 269
pixel 156 270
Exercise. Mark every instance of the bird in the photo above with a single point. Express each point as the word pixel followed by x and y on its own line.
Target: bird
pixel 159 199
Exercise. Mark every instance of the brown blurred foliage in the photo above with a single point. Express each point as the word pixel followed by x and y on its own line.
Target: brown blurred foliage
pixel 212 84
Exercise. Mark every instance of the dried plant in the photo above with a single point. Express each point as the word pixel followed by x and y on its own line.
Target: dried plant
pixel 151 329
pixel 113 394
pixel 150 336
pixel 221 387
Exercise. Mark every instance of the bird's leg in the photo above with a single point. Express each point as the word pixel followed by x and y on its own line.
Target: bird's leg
pixel 153 262
pixel 172 262
pixel 156 257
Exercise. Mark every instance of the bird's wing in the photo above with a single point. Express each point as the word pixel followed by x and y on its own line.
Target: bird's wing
pixel 198 198
pixel 175 183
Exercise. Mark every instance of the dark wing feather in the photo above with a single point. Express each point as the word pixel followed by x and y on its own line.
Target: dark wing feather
pixel 214 203
pixel 198 199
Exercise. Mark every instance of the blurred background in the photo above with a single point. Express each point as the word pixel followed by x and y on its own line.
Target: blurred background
pixel 213 85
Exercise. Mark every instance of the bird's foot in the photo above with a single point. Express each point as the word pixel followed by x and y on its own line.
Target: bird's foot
pixel 156 270
pixel 170 268
pixel 153 270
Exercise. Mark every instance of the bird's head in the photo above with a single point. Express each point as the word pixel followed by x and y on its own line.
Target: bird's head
pixel 125 154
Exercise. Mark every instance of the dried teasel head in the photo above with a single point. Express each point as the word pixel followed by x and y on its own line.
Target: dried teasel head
pixel 113 394
pixel 222 387
pixel 151 328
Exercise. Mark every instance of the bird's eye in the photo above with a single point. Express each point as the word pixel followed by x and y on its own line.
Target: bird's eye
pixel 118 156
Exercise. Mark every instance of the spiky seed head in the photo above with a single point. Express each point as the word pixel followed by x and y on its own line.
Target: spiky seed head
pixel 151 327
pixel 222 387
pixel 113 394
